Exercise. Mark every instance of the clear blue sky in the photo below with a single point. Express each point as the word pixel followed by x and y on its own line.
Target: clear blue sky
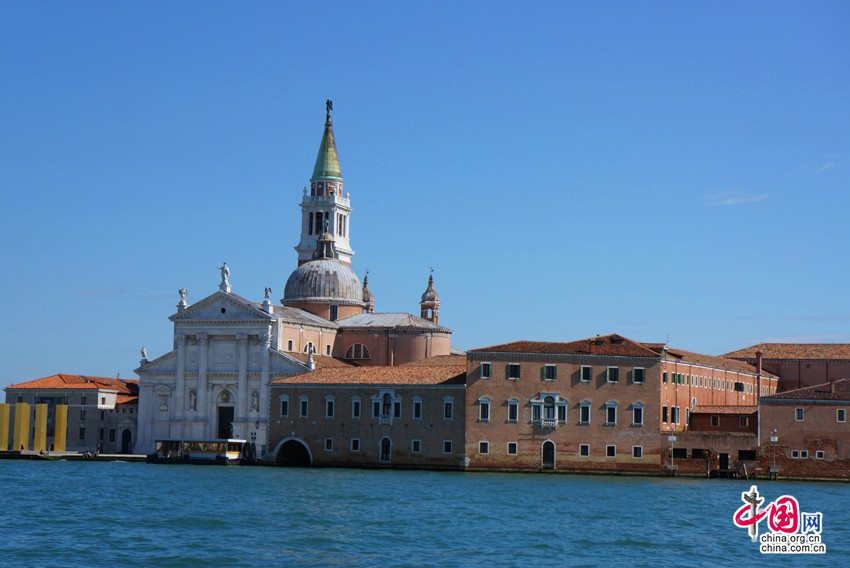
pixel 671 169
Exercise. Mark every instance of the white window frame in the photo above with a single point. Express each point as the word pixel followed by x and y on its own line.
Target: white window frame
pixel 486 370
pixel 329 444
pixel 417 406
pixel 554 372
pixel 303 406
pixel 515 448
pixel 356 407
pixel 608 448
pixel 584 450
pixel 448 408
pixel 637 452
pixel 483 445
pixel 508 369
pixel 799 414
pixel 513 402
pixel 484 409
pixel 447 443
pixel 416 446
pixel 330 407
pixel 840 415
pixel 354 441
pixel 284 399
pixel 819 455
pixel 581 406
pixel 637 406
pixel 642 373
pixel 608 374
pixel 611 405
pixel 589 372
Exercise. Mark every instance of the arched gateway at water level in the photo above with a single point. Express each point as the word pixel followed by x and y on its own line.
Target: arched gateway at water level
pixel 292 452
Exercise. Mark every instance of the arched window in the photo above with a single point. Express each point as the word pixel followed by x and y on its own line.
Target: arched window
pixel 290 345
pixel 549 408
pixel 309 348
pixel 357 351
pixel 387 403
pixel 386 447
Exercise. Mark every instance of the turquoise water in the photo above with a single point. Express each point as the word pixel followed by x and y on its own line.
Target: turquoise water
pixel 132 514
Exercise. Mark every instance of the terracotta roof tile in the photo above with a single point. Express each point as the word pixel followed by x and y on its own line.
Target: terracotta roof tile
pixel 718 362
pixel 125 399
pixel 323 361
pixel 835 390
pixel 724 410
pixel 418 373
pixel 613 345
pixel 794 351
pixel 61 381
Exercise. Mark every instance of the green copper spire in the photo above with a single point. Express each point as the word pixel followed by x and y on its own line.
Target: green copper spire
pixel 327 163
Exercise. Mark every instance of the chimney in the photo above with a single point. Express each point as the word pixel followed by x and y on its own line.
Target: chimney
pixel 759 356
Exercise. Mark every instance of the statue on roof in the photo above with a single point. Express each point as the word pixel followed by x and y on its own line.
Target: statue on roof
pixel 144 354
pixel 329 106
pixel 268 293
pixel 225 277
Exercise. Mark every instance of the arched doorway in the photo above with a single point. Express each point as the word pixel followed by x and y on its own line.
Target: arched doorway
pixel 293 453
pixel 126 441
pixel 547 457
pixel 386 450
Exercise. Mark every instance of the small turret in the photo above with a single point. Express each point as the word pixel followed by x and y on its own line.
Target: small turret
pixel 430 303
pixel 368 297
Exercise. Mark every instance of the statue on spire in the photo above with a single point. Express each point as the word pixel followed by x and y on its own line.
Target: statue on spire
pixel 329 106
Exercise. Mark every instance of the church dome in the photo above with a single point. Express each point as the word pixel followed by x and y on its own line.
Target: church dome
pixel 323 281
pixel 430 295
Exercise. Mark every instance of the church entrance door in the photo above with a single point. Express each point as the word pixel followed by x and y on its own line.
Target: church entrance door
pixel 126 440
pixel 548 457
pixel 225 422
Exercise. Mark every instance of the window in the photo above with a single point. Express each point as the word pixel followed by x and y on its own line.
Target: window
pixel 819 454
pixel 355 407
pixel 799 413
pixel 610 451
pixel 355 444
pixel 513 410
pixel 483 409
pixel 417 408
pixel 483 447
pixel 329 407
pixel 290 345
pixel 610 412
pixel 804 453
pixel 613 374
pixel 638 375
pixel 674 414
pixel 664 414
pixel 284 405
pixel 562 412
pixel 334 312
pixel 513 371
pixel 376 408
pixel 664 377
pixel 742 422
pixel 327 350
pixel 795 454
pixel 416 446
pixel 535 412
pixel 303 409
pixel 512 448
pixel 486 370
pixel 584 450
pixel 357 351
pixel 584 413
pixel 586 374
pixel 715 421
pixel 447 446
pixel 637 451
pixel 83 414
pixel 447 409
pixel 397 409
pixel 550 372
pixel 329 444
pixel 549 408
pixel 841 415
pixel 637 414
pixel 103 401
pixel 83 399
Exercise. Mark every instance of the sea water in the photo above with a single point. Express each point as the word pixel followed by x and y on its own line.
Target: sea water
pixel 134 514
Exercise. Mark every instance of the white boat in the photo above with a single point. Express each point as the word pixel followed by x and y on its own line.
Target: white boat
pixel 219 451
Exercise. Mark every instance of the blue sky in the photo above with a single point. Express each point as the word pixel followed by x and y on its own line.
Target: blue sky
pixel 568 168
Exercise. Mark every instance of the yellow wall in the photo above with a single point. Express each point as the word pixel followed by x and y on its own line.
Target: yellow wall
pixel 4 427
pixel 21 436
pixel 39 443
pixel 60 427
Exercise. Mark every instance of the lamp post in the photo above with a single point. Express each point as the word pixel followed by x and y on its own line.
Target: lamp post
pixel 773 439
pixel 672 438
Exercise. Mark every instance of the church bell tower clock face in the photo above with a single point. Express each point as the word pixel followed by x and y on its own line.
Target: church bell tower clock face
pixel 325 207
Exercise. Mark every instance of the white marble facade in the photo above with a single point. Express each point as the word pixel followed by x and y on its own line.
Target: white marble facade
pixel 215 382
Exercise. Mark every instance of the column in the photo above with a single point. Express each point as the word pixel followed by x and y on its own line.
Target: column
pixel 264 391
pixel 242 385
pixel 145 417
pixel 202 408
pixel 180 387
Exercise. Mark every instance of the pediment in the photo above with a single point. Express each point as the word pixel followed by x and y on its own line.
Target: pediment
pixel 283 364
pixel 165 364
pixel 221 306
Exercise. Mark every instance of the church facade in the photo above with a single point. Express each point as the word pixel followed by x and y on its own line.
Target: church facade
pixel 214 383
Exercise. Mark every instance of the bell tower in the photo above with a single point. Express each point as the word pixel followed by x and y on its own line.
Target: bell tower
pixel 325 208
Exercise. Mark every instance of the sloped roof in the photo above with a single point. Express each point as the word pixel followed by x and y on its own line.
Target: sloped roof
pixel 610 345
pixel 389 320
pixel 125 399
pixel 446 370
pixel 794 351
pixel 724 410
pixel 836 390
pixel 323 361
pixel 82 382
pixel 718 362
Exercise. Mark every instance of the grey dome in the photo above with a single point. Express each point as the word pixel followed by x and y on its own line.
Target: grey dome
pixel 325 282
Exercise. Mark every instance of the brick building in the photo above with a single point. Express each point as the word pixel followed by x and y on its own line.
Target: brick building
pixel 408 415
pixel 603 403
pixel 101 410
pixel 798 365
